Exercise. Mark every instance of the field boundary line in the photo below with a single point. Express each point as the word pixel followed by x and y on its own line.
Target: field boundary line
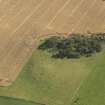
pixel 78 88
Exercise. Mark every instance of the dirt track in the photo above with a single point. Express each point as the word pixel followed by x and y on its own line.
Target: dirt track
pixel 21 21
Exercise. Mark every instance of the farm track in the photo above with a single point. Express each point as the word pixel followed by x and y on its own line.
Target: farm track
pixel 23 21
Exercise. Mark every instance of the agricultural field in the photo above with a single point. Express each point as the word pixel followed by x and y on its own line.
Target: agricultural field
pixel 52 81
pixel 23 21
pixel 92 92
pixel 29 76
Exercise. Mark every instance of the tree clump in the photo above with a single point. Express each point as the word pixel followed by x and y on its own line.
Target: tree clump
pixel 74 46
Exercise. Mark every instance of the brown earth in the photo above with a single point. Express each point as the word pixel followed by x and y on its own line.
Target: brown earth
pixel 23 21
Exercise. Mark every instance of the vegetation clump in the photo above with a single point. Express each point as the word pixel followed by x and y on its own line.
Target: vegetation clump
pixel 74 46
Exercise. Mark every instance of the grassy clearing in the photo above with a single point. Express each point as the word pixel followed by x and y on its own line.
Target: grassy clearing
pixel 49 81
pixel 13 101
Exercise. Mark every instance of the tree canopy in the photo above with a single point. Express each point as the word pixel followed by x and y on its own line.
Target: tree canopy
pixel 74 46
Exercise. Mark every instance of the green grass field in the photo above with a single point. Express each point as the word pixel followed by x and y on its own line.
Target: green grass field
pixel 92 92
pixel 52 81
